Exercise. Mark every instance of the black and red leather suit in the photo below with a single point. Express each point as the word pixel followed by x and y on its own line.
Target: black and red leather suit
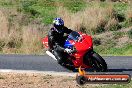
pixel 56 42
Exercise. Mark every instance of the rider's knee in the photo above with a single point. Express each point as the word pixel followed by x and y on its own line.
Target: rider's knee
pixel 60 61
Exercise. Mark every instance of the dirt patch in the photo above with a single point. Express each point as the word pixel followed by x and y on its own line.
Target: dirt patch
pixel 37 80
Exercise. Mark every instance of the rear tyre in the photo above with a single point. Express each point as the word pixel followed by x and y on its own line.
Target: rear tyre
pixel 98 63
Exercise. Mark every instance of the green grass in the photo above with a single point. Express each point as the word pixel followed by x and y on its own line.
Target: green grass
pixel 46 9
pixel 123 51
pixel 118 34
pixel 120 7
pixel 130 34
pixel 74 5
pixel 129 85
pixel 6 3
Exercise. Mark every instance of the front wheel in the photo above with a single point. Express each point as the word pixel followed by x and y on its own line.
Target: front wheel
pixel 81 80
pixel 98 63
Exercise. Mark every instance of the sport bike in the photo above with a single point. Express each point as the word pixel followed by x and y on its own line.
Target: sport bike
pixel 82 53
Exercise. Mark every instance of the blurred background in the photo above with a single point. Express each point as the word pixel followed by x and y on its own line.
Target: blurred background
pixel 23 24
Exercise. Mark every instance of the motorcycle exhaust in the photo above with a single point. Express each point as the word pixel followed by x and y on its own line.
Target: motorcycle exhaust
pixel 51 55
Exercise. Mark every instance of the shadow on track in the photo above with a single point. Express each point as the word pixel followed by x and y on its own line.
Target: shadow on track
pixel 109 70
pixel 118 70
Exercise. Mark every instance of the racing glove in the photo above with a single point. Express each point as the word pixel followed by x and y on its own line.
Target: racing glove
pixel 68 50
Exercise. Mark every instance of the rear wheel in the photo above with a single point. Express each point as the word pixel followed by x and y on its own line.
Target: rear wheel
pixel 98 63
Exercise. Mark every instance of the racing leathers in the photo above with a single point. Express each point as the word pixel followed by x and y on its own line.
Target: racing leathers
pixel 56 40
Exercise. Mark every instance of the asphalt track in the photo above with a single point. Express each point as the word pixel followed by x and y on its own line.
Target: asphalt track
pixel 116 64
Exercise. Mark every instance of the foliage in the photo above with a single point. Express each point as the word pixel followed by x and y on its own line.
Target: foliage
pixel 26 17
pixel 130 34
pixel 118 34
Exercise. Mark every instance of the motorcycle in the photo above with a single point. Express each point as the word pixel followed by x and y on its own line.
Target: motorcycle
pixel 82 52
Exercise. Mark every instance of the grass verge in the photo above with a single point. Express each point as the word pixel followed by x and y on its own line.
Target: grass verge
pixel 123 51
pixel 116 86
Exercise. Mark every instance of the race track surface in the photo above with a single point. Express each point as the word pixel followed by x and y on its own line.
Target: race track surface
pixel 116 64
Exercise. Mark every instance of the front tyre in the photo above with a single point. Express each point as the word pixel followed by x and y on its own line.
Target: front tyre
pixel 98 63
pixel 81 80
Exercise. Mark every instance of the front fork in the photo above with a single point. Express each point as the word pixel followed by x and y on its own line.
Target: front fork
pixel 87 59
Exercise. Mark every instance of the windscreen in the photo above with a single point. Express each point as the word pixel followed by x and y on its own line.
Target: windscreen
pixel 74 36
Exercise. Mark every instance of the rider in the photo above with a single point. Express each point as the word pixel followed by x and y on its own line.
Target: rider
pixel 56 40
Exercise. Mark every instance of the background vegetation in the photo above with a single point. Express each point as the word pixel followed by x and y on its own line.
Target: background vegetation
pixel 25 22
